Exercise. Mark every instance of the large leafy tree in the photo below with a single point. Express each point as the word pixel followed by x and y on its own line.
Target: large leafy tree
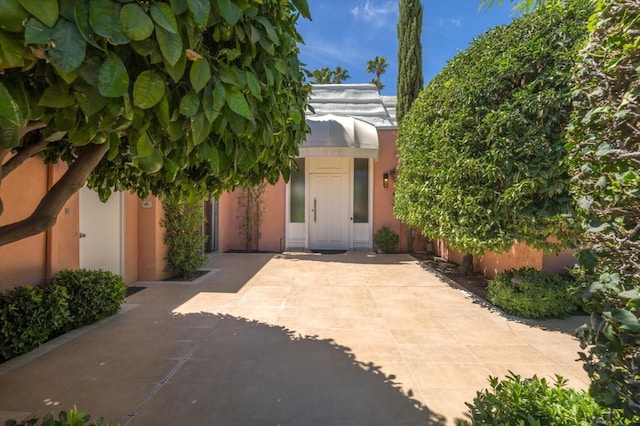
pixel 604 143
pixel 194 96
pixel 482 147
pixel 410 79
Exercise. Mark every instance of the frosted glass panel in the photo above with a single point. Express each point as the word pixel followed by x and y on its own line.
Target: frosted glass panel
pixel 361 190
pixel 297 193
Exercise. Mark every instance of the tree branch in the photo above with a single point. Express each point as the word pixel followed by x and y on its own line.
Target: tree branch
pixel 31 126
pixel 46 214
pixel 23 155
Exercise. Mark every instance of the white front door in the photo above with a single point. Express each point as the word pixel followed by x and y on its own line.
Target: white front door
pixel 329 211
pixel 101 232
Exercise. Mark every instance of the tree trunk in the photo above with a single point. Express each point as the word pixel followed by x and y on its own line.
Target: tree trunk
pixel 46 214
pixel 466 267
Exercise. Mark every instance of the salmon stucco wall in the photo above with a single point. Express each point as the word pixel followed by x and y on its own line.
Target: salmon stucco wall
pixel 151 247
pixel 63 240
pixel 131 206
pixel 386 162
pixel 559 263
pixel 23 262
pixel 273 220
pixel 519 256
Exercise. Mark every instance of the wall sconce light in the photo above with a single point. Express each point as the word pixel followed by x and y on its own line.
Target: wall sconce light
pixel 385 180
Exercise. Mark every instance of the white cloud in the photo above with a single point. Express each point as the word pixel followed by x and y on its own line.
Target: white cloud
pixel 378 14
pixel 455 22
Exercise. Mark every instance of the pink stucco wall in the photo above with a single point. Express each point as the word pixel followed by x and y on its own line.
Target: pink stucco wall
pixel 131 207
pixel 386 162
pixel 151 247
pixel 63 242
pixel 272 228
pixel 36 259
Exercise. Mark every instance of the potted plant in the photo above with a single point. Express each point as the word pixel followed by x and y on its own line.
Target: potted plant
pixel 385 240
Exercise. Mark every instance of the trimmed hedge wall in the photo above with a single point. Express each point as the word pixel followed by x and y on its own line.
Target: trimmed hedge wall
pixel 29 316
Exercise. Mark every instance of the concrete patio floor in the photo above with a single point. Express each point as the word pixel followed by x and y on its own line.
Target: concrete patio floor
pixel 293 339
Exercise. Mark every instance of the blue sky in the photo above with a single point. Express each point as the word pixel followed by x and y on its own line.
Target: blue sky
pixel 348 33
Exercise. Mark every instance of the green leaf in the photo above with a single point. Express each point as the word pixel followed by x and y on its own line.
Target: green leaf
pixel 189 104
pixel 170 45
pixel 219 96
pixel 11 51
pixel 82 136
pixel 9 137
pixel 136 24
pixel 113 80
pixel 178 6
pixel 89 99
pixel 162 14
pixel 254 85
pixel 35 32
pixel 46 11
pixel 200 10
pixel 200 128
pixel 56 96
pixel 626 318
pixel 67 49
pixel 207 103
pixel 237 103
pixel 303 7
pixel 81 13
pixel 176 71
pixel 200 74
pixel 230 11
pixel 144 147
pixel 9 109
pixel 271 32
pixel 295 115
pixel 161 111
pixel 104 17
pixel 148 89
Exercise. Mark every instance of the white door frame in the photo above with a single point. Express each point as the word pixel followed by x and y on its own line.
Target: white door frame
pixel 335 213
pixel 118 197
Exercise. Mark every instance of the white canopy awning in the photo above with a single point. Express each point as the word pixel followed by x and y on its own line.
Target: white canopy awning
pixel 338 136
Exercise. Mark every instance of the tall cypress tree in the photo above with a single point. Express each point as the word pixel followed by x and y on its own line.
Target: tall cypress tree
pixel 410 80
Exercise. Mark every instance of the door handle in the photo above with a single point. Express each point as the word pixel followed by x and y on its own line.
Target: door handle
pixel 315 209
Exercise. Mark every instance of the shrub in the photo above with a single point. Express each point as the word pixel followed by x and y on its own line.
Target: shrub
pixel 93 295
pixel 531 402
pixel 29 316
pixel 529 293
pixel 182 235
pixel 386 240
pixel 71 417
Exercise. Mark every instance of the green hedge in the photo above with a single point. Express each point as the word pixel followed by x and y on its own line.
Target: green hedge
pixel 95 294
pixel 29 316
pixel 530 293
pixel 531 402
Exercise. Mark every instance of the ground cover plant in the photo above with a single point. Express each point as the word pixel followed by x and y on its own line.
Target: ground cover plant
pixel 533 402
pixel 530 293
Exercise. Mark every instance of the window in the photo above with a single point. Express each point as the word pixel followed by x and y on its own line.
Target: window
pixel 361 190
pixel 296 206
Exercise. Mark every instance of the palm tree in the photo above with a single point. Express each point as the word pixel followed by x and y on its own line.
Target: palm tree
pixel 378 65
pixel 340 74
pixel 321 75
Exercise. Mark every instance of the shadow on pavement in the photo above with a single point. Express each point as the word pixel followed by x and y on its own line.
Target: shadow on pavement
pixel 246 372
